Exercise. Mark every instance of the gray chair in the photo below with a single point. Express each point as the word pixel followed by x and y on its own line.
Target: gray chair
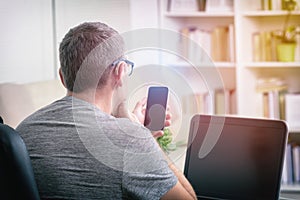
pixel 16 174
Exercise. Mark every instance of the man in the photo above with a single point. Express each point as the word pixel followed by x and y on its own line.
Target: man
pixel 78 149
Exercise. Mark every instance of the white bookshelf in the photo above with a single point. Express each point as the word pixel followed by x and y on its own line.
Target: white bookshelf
pixel 199 14
pixel 272 64
pixel 290 187
pixel 247 19
pixel 215 64
pixel 243 74
pixel 260 13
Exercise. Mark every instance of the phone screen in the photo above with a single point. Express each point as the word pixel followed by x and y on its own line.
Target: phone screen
pixel 156 108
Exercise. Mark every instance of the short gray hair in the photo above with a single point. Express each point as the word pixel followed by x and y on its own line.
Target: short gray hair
pixel 85 53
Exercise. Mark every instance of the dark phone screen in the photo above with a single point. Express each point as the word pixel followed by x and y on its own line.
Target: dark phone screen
pixel 156 108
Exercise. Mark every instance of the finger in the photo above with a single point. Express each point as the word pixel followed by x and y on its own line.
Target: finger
pixel 168 123
pixel 157 134
pixel 144 101
pixel 168 116
pixel 122 110
pixel 168 107
pixel 140 104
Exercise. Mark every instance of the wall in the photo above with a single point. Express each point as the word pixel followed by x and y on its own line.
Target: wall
pixel 26 40
pixel 31 31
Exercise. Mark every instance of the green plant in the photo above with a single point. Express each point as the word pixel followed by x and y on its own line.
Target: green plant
pixel 288 33
pixel 165 141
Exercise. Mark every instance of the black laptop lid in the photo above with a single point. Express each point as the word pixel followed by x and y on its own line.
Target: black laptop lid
pixel 243 161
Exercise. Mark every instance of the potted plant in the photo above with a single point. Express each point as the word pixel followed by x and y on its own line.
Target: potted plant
pixel 287 36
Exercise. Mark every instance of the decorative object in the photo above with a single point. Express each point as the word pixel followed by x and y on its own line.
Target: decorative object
pixel 286 36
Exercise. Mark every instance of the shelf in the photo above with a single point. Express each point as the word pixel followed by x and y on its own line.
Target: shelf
pixel 243 74
pixel 225 64
pixel 268 13
pixel 291 187
pixel 210 64
pixel 199 14
pixel 294 130
pixel 272 64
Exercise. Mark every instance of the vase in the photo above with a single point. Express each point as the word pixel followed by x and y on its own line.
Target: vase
pixel 286 52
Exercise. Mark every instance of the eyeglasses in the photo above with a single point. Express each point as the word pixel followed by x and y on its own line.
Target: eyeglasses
pixel 131 64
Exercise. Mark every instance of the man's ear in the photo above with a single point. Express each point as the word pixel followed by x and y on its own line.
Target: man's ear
pixel 119 72
pixel 62 78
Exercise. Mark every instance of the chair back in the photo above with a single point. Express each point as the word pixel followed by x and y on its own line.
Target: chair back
pixel 16 174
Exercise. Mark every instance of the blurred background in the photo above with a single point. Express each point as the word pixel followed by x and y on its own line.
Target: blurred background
pixel 31 31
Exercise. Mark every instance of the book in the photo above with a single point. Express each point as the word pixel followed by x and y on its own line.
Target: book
pixel 256 47
pixel 287 171
pixel 292 113
pixel 219 44
pixel 274 42
pixel 273 97
pixel 266 4
pixel 194 103
pixel 266 46
pixel 271 4
pixel 296 163
pixel 201 5
pixel 273 104
pixel 218 102
pixel 276 4
pixel 266 112
pixel 263 48
pixel 209 104
pixel 222 101
pixel 200 104
pixel 182 5
pixel 189 43
pixel 231 43
pixel 193 44
pixel 184 42
pixel 219 5
pixel 201 45
pixel 233 102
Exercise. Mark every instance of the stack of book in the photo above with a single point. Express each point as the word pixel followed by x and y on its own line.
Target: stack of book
pixel 291 166
pixel 273 94
pixel 195 44
pixel 218 43
pixel 279 4
pixel 200 5
pixel 264 46
pixel 292 114
pixel 219 102
pixel 182 5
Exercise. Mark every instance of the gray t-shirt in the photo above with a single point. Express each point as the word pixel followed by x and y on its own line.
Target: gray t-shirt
pixel 79 152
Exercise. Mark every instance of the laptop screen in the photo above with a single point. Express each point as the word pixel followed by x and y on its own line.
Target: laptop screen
pixel 244 162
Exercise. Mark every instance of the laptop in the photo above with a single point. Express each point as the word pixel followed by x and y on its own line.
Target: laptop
pixel 235 158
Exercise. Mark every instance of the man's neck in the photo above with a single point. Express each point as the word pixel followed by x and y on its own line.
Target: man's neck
pixel 100 98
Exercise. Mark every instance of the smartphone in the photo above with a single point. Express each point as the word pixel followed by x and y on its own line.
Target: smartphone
pixel 155 115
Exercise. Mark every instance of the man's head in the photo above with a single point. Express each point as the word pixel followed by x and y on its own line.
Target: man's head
pixel 85 54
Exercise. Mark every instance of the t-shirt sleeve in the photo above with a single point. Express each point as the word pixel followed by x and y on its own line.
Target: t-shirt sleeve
pixel 148 185
pixel 146 174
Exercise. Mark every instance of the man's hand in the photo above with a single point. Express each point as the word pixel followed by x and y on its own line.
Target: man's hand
pixel 140 110
pixel 123 112
pixel 138 115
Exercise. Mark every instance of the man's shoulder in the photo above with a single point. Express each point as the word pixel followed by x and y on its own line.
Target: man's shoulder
pixel 45 113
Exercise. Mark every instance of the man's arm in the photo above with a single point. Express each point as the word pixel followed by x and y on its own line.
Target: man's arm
pixel 182 190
